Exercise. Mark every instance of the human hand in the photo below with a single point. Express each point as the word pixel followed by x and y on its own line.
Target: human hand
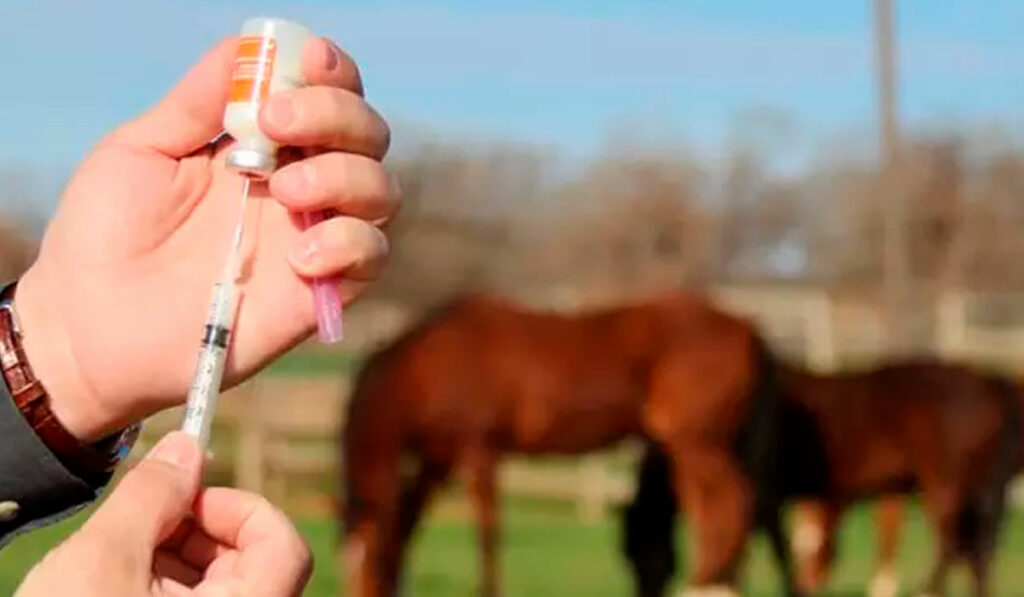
pixel 113 309
pixel 158 534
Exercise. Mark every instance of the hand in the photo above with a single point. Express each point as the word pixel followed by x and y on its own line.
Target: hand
pixel 113 309
pixel 155 536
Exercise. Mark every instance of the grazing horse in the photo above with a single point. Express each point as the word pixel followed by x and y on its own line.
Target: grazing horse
pixel 948 431
pixel 480 378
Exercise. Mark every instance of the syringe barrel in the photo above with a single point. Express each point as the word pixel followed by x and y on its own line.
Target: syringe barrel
pixel 209 374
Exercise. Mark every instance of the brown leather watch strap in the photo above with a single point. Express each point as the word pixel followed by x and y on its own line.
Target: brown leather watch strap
pixel 30 397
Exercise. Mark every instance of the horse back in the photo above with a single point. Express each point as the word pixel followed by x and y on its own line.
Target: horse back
pixel 482 369
pixel 901 424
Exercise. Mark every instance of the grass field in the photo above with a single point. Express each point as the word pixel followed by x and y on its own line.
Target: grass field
pixel 546 552
pixel 315 362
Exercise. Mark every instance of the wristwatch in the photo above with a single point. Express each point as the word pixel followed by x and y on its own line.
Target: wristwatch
pixel 91 462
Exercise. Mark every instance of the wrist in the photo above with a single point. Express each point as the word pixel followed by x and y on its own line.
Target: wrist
pixel 48 351
pixel 93 461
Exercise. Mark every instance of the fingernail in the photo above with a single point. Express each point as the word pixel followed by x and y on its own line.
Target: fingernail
pixel 177 449
pixel 305 252
pixel 331 59
pixel 280 112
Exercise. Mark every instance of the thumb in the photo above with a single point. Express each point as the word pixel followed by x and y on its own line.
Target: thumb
pixel 152 498
pixel 190 115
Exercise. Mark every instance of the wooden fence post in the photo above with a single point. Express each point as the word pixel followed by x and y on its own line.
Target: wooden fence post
pixel 593 495
pixel 250 463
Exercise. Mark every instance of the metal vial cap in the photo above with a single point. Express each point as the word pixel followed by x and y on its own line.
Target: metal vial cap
pixel 257 164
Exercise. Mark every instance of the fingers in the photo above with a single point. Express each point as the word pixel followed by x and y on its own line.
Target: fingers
pixel 190 115
pixel 200 550
pixel 327 117
pixel 330 112
pixel 350 184
pixel 340 246
pixel 153 498
pixel 272 557
pixel 324 63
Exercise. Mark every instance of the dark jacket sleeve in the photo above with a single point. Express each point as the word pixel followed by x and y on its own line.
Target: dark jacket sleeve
pixel 35 488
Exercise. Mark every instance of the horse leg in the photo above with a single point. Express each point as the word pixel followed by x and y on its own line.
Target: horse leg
pixel 773 527
pixel 988 516
pixel 808 537
pixel 945 509
pixel 370 520
pixel 483 488
pixel 411 503
pixel 814 537
pixel 719 501
pixel 885 582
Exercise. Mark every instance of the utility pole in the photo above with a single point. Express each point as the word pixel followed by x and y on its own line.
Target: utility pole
pixel 895 276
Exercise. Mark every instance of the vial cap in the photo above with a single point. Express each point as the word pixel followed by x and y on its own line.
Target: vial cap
pixel 258 164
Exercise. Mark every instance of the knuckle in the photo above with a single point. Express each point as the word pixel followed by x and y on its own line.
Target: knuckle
pixel 374 254
pixel 152 473
pixel 353 78
pixel 383 244
pixel 387 193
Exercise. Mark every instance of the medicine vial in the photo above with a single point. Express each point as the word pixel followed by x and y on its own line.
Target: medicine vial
pixel 268 60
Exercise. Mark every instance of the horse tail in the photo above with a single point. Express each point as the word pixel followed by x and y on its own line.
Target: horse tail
pixel 649 524
pixel 759 438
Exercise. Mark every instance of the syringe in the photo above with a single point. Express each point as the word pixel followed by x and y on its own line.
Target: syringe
pixel 202 398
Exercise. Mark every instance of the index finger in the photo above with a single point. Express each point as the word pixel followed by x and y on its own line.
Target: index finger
pixel 324 63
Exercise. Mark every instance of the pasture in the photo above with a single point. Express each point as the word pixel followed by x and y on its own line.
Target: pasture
pixel 547 551
pixel 549 545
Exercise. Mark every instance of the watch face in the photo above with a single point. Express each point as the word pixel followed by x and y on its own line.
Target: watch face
pixel 7 304
pixel 124 443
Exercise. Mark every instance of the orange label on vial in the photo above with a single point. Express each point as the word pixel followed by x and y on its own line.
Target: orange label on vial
pixel 254 64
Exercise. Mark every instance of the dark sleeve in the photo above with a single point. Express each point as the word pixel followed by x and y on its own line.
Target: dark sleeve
pixel 35 488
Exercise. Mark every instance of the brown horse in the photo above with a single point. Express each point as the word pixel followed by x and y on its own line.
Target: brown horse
pixel 480 378
pixel 948 431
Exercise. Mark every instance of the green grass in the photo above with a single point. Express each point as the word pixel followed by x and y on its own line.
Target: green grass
pixel 313 362
pixel 546 552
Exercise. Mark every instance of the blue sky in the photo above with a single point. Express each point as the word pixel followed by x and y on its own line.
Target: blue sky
pixel 560 74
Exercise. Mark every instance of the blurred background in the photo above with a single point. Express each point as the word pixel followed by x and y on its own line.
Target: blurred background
pixel 856 188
